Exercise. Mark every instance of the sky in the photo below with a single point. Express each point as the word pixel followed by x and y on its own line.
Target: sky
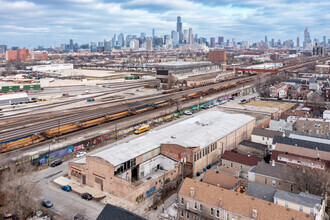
pixel 28 23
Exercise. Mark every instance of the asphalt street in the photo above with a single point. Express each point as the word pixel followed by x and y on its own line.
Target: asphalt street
pixel 65 204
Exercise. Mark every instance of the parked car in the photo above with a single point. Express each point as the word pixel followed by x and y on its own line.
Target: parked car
pixel 242 101
pixel 87 196
pixel 81 154
pixel 187 112
pixel 56 163
pixel 8 215
pixel 66 188
pixel 46 203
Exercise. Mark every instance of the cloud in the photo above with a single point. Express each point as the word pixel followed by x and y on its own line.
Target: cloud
pixel 44 22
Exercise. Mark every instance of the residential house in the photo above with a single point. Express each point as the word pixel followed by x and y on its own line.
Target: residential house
pixel 303 202
pixel 252 149
pixel 223 180
pixel 117 213
pixel 240 161
pixel 199 200
pixel 264 136
pixel 276 176
pixel 279 90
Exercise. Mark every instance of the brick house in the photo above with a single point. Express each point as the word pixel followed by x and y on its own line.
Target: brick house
pixel 198 200
pixel 279 90
pixel 240 161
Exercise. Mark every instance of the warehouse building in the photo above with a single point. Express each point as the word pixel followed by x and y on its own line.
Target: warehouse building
pixel 13 98
pixel 138 168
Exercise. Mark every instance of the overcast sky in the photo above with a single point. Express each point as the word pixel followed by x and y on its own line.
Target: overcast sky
pixel 52 22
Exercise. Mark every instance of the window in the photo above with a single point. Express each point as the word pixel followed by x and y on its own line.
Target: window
pixel 218 214
pixel 301 208
pixel 273 183
pixel 187 215
pixel 195 217
pixel 195 206
pixel 182 213
pixel 291 188
pixel 200 154
pixel 195 157
pixel 231 164
pixel 276 201
pixel 200 207
pixel 187 206
pixel 286 204
pixel 241 166
pixel 265 180
pixel 212 211
pixel 182 200
pixel 311 211
pixel 227 216
pixel 263 138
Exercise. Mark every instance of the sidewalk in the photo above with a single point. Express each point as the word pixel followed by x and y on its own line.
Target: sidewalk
pixel 79 188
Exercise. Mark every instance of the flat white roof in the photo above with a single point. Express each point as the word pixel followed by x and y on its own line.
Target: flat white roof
pixel 201 130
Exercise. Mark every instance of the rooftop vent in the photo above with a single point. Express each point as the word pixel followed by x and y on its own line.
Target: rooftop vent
pixel 192 192
pixel 254 213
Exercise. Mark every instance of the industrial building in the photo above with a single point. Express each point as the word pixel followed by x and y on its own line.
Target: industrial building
pixel 167 74
pixel 51 67
pixel 138 168
pixel 13 98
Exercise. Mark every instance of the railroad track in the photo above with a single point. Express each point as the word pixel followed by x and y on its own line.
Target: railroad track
pixel 80 117
pixel 93 95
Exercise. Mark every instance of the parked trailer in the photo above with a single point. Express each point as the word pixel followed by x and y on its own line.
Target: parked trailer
pixel 119 115
pixel 20 143
pixel 60 130
pixel 93 122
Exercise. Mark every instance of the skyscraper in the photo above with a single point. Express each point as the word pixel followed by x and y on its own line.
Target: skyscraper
pixel 185 36
pixel 212 42
pixel 298 42
pixel 220 40
pixel 191 36
pixel 179 28
pixel 266 40
pixel 175 38
pixel 307 38
pixel 324 40
pixel 149 44
pixel 153 33
pixel 71 44
pixel 121 40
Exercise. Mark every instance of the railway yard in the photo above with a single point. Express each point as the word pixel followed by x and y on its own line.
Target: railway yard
pixel 78 108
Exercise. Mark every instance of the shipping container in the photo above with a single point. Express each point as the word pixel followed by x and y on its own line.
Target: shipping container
pixel 26 87
pixel 5 88
pixel 36 86
pixel 14 88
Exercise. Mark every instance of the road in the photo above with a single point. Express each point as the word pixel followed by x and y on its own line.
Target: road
pixel 66 204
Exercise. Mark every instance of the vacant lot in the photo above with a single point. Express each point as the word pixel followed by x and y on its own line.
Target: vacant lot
pixel 283 105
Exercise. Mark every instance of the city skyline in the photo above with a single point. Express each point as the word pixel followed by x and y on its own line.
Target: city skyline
pixel 49 23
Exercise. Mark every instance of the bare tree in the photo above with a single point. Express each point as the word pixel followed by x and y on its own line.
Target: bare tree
pixel 18 189
pixel 314 181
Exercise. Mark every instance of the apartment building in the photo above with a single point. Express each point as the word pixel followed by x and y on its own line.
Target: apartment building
pixel 313 126
pixel 198 200
pixel 303 202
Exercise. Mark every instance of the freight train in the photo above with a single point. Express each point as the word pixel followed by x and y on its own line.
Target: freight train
pixel 136 109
